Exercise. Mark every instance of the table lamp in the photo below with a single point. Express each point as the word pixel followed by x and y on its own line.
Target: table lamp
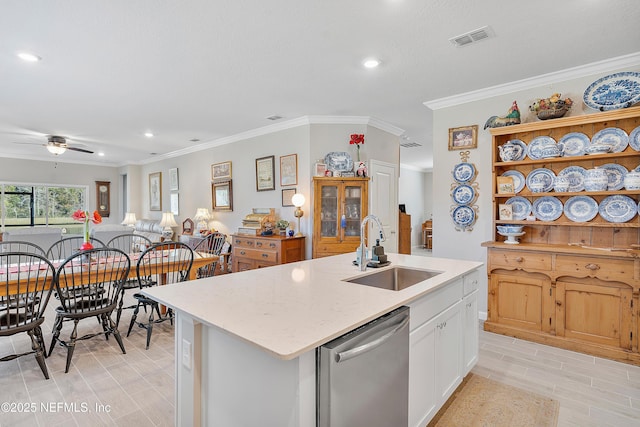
pixel 166 223
pixel 298 201
pixel 129 219
pixel 202 217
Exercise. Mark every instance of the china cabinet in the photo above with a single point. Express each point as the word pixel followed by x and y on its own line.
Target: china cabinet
pixel 338 208
pixel 573 280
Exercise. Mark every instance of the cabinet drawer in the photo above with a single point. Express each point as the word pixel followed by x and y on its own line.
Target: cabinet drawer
pixel 515 259
pixel 471 282
pixel 266 244
pixel 256 254
pixel 603 268
pixel 434 303
pixel 243 242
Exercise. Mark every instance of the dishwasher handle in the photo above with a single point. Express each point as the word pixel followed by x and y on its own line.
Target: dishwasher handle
pixel 343 356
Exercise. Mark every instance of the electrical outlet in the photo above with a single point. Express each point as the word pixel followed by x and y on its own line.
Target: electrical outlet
pixel 186 354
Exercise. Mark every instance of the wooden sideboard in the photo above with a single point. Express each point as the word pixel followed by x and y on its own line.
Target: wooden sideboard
pixel 249 252
pixel 404 233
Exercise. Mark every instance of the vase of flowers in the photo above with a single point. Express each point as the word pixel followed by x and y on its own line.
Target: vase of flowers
pixel 357 139
pixel 84 216
pixel 282 225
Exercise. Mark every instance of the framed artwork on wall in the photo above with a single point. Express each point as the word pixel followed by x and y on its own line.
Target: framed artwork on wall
pixel 463 138
pixel 287 194
pixel 103 198
pixel 175 204
pixel 265 173
pixel 155 191
pixel 288 170
pixel 222 196
pixel 173 179
pixel 221 171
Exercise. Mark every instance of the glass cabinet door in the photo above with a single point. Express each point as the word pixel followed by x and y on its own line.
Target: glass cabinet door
pixel 329 211
pixel 352 214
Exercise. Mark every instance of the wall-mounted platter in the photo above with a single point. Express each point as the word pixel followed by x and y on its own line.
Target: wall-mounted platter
pixel 615 137
pixel 547 208
pixel 520 206
pixel 464 172
pixel 574 144
pixel 619 90
pixel 617 208
pixel 580 208
pixel 463 194
pixel 339 161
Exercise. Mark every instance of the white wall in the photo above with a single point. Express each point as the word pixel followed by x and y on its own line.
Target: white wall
pixel 415 191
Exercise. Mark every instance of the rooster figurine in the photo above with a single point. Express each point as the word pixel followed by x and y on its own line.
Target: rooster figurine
pixel 512 118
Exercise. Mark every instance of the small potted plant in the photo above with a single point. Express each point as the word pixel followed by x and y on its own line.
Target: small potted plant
pixel 282 225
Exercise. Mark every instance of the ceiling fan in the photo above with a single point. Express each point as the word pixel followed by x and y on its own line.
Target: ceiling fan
pixel 58 145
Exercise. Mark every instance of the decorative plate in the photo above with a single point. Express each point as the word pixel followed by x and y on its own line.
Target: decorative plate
pixel 463 194
pixel 574 143
pixel 339 161
pixel 580 208
pixel 616 175
pixel 523 145
pixel 615 137
pixel 534 149
pixel 576 177
pixel 634 139
pixel 463 216
pixel 618 208
pixel 520 206
pixel 619 90
pixel 541 174
pixel 547 208
pixel 518 179
pixel 464 172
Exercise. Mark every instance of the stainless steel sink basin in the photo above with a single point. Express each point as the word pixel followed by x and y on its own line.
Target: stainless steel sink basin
pixel 395 279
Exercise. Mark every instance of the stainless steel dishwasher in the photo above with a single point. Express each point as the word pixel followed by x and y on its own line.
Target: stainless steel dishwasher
pixel 363 376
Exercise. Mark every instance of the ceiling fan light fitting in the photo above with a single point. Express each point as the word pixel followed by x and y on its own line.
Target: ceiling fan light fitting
pixel 56 149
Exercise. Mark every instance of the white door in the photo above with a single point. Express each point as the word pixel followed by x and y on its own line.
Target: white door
pixel 383 201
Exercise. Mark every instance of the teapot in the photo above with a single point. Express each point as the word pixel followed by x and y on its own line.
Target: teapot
pixel 632 180
pixel 510 151
pixel 596 179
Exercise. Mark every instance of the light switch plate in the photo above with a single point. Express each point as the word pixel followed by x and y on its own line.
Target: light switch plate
pixel 186 354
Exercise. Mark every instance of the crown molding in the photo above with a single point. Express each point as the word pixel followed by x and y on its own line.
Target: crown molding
pixel 619 62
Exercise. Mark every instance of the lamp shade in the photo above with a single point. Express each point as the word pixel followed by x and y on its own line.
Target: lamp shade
pixel 168 220
pixel 298 200
pixel 202 214
pixel 129 219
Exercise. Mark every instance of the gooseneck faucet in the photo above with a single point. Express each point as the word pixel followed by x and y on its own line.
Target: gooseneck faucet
pixel 363 246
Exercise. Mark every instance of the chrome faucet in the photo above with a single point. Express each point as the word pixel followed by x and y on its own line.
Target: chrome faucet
pixel 363 247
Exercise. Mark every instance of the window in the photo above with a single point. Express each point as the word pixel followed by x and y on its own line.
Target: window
pixel 27 205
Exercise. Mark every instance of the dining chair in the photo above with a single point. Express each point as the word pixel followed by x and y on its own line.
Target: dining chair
pixel 130 243
pixel 95 277
pixel 26 282
pixel 21 246
pixel 161 264
pixel 64 248
pixel 211 244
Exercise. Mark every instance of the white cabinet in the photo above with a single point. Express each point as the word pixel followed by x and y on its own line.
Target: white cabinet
pixel 470 331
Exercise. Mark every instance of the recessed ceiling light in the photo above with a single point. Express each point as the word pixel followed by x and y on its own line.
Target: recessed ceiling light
pixel 29 57
pixel 371 63
pixel 148 134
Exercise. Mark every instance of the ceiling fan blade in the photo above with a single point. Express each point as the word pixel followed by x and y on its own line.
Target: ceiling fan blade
pixel 82 150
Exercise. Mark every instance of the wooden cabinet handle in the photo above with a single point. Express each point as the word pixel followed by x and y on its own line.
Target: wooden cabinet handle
pixel 592 267
pixel 518 259
pixel 272 245
pixel 243 253
pixel 558 303
pixel 259 244
pixel 265 255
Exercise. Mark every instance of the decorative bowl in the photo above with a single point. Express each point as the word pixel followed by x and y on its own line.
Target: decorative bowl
pixel 510 228
pixel 552 114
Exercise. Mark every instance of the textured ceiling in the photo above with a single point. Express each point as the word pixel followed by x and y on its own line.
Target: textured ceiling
pixel 206 69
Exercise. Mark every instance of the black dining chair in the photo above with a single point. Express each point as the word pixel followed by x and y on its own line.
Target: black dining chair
pixel 21 246
pixel 133 244
pixel 26 282
pixel 163 263
pixel 64 248
pixel 212 244
pixel 89 284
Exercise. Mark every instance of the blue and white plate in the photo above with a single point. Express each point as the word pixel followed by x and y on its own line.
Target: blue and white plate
pixel 520 206
pixel 463 216
pixel 580 208
pixel 634 139
pixel 617 208
pixel 535 147
pixel 464 172
pixel 547 208
pixel 576 176
pixel 574 143
pixel 615 137
pixel 619 90
pixel 616 174
pixel 518 179
pixel 463 194
pixel 541 174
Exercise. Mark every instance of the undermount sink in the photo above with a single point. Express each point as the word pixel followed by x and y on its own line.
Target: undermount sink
pixel 395 278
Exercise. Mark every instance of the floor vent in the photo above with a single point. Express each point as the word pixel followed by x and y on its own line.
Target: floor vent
pixel 472 36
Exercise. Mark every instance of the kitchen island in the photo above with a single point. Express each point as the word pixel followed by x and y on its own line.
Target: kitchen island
pixel 245 342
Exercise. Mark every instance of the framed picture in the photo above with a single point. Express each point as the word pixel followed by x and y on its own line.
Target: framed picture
pixel 320 169
pixel 287 194
pixel 265 173
pixel 155 191
pixel 221 171
pixel 103 198
pixel 222 196
pixel 505 212
pixel 505 184
pixel 175 204
pixel 463 138
pixel 173 180
pixel 288 170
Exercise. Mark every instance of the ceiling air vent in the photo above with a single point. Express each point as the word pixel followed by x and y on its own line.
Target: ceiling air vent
pixel 410 144
pixel 274 118
pixel 472 36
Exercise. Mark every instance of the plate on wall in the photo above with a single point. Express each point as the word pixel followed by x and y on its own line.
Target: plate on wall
pixel 463 172
pixel 339 161
pixel 634 139
pixel 535 147
pixel 541 174
pixel 576 177
pixel 580 208
pixel 617 208
pixel 518 179
pixel 616 174
pixel 619 90
pixel 615 137
pixel 463 194
pixel 574 144
pixel 463 216
pixel 547 208
pixel 520 206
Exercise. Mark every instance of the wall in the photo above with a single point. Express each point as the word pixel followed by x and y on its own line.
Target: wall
pixel 448 242
pixel 415 191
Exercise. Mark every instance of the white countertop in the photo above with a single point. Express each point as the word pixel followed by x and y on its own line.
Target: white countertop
pixel 289 309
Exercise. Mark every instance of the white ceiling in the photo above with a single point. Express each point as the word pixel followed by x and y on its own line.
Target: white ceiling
pixel 205 69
